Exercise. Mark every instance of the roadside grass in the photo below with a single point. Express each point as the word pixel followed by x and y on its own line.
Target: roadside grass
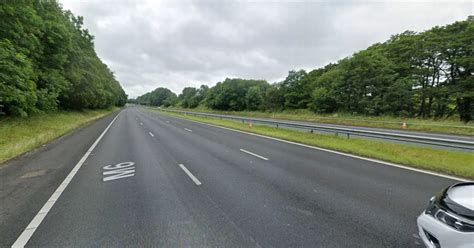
pixel 455 163
pixel 19 135
pixel 447 126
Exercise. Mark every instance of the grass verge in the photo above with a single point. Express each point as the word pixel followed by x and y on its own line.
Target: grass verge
pixel 448 162
pixel 19 135
pixel 449 126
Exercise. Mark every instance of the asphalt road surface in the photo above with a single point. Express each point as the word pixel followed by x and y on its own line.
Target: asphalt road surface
pixel 464 143
pixel 469 138
pixel 159 181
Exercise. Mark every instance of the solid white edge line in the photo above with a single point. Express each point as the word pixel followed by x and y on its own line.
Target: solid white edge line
pixel 195 180
pixel 189 130
pixel 151 134
pixel 34 224
pixel 339 153
pixel 253 154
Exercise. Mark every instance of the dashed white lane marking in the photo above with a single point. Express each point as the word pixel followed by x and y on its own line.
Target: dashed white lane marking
pixel 167 121
pixel 195 180
pixel 336 152
pixel 34 224
pixel 253 154
pixel 141 123
pixel 151 134
pixel 189 130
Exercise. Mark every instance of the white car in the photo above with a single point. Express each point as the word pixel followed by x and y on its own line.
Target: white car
pixel 448 222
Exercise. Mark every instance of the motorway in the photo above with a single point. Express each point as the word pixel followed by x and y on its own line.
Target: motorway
pixel 153 180
pixel 431 140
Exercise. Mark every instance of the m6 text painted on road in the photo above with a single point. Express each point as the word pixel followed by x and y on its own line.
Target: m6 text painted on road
pixel 118 171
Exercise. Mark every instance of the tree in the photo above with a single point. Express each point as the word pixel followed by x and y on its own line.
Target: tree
pixel 458 50
pixel 187 97
pixel 426 75
pixel 274 99
pixel 326 97
pixel 171 100
pixel 254 98
pixel 231 94
pixel 296 88
pixel 200 96
pixel 158 97
pixel 17 87
pixel 49 62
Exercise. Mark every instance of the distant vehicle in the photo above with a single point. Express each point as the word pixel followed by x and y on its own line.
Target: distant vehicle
pixel 449 219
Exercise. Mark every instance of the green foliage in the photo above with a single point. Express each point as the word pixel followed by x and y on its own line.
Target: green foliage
pixel 171 100
pixel 231 93
pixel 323 101
pixel 17 87
pixel 296 90
pixel 254 98
pixel 325 98
pixel 424 75
pixel 191 97
pixel 274 99
pixel 158 97
pixel 445 161
pixel 18 136
pixel 48 61
pixel 188 98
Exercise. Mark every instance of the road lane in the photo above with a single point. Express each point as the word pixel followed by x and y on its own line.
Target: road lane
pixel 181 188
pixel 362 128
pixel 195 180
pixel 28 181
pixel 379 202
pixel 37 220
pixel 253 154
pixel 158 206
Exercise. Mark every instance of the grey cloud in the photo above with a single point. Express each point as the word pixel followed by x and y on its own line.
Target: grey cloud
pixel 175 44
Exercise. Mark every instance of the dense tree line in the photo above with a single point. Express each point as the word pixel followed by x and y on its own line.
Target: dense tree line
pixel 158 97
pixel 47 61
pixel 426 75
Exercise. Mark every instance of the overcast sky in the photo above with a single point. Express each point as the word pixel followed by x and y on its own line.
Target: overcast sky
pixel 174 44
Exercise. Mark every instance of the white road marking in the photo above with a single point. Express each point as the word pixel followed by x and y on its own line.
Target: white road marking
pixel 141 123
pixel 151 134
pixel 339 153
pixel 118 171
pixel 253 154
pixel 167 121
pixel 195 180
pixel 34 224
pixel 189 130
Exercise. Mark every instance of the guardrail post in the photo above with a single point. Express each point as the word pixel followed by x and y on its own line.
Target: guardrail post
pixel 469 145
